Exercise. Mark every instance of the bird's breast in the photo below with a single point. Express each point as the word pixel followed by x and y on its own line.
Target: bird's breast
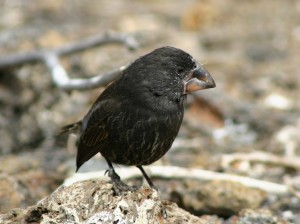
pixel 143 136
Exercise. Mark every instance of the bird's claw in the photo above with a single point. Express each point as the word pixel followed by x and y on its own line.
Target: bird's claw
pixel 113 175
pixel 118 185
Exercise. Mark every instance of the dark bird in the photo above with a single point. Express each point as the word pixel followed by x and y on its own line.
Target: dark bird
pixel 137 117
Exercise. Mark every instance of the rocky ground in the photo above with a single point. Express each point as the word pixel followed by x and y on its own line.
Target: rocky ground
pixel 248 126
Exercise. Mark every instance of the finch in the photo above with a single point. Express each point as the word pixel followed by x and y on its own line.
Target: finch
pixel 137 117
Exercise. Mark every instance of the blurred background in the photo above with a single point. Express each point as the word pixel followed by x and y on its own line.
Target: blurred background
pixel 251 48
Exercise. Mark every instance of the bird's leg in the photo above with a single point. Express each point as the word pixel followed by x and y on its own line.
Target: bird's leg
pixel 118 185
pixel 149 181
pixel 163 211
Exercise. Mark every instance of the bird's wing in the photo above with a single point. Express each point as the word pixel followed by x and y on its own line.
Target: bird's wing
pixel 95 130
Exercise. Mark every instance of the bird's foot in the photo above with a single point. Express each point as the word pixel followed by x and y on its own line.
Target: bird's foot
pixel 118 185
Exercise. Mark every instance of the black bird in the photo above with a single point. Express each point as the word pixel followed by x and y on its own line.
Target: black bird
pixel 136 118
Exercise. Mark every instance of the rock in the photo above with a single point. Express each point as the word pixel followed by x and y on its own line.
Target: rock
pixel 222 198
pixel 261 216
pixel 93 201
pixel 11 193
pixel 25 179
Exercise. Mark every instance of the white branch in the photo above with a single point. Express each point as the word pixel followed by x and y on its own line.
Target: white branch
pixel 62 80
pixel 261 157
pixel 71 48
pixel 172 172
pixel 59 75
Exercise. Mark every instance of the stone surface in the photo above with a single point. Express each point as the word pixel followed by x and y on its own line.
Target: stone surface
pixel 94 202
pixel 222 198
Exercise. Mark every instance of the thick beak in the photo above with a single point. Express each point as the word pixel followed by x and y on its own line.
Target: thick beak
pixel 198 79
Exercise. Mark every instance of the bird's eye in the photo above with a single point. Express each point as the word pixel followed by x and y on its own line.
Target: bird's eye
pixel 179 70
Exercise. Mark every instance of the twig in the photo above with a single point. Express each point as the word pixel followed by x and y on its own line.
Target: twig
pixel 38 55
pixel 261 157
pixel 59 75
pixel 63 81
pixel 172 172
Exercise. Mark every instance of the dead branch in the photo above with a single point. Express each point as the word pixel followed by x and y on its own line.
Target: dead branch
pixel 261 157
pixel 38 55
pixel 59 75
pixel 63 81
pixel 172 172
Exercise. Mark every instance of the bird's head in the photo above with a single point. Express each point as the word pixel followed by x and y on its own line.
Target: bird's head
pixel 168 72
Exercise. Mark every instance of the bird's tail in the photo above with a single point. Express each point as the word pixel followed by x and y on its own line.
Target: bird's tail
pixel 71 128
